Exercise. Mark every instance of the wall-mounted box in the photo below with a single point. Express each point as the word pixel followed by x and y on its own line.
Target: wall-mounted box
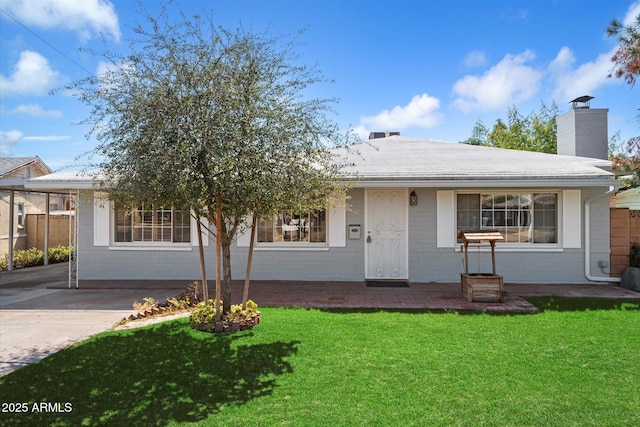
pixel 354 231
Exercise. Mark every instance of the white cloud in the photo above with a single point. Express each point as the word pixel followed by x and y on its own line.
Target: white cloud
pixel 31 75
pixel 47 138
pixel 361 131
pixel 632 12
pixel 475 58
pixel 35 111
pixel 8 140
pixel 570 82
pixel 506 83
pixel 85 17
pixel 421 111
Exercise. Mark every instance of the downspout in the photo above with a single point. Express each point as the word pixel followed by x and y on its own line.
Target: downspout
pixel 12 201
pixel 587 241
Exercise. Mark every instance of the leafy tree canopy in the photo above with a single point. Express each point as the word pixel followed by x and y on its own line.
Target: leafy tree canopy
pixel 626 60
pixel 535 132
pixel 212 120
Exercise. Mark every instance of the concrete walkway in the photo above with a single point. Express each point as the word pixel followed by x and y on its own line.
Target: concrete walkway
pixel 40 315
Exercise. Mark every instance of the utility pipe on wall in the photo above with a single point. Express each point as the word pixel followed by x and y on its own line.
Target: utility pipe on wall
pixel 587 241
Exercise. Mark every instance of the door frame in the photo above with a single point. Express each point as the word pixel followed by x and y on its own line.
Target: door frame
pixel 405 201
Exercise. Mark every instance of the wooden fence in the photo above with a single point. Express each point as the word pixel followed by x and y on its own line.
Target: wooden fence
pixel 58 230
pixel 625 229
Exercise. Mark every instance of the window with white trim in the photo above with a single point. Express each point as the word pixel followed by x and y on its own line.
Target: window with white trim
pixel 151 225
pixel 294 227
pixel 530 218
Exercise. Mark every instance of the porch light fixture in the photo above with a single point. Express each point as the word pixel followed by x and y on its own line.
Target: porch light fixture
pixel 413 199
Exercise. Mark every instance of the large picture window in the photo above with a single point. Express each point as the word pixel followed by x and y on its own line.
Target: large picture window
pixel 148 224
pixel 519 217
pixel 292 227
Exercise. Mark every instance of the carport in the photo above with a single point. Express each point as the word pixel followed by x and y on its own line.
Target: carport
pixel 64 183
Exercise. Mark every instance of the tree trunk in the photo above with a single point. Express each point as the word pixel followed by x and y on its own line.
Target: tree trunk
pixel 218 254
pixel 226 284
pixel 247 277
pixel 203 268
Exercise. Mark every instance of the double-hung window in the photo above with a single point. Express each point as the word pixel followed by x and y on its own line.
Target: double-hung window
pixel 530 218
pixel 294 227
pixel 148 224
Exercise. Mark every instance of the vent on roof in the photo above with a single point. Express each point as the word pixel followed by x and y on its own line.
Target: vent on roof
pixel 376 135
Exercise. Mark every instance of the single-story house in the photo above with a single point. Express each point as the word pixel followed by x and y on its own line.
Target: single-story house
pixel 401 220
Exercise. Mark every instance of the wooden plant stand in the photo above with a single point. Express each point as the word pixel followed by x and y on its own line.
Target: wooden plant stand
pixel 481 287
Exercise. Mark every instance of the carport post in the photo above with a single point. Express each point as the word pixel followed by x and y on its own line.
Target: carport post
pixel 11 214
pixel 73 238
pixel 46 228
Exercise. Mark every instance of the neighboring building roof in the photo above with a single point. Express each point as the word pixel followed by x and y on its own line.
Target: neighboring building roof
pixel 12 164
pixel 627 198
pixel 415 161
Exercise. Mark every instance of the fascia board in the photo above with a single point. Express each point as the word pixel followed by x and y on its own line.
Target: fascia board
pixel 482 183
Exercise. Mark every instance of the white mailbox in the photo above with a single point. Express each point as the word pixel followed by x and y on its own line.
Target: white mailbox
pixel 354 231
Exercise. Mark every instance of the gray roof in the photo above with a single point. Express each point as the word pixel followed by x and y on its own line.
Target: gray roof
pixel 398 158
pixel 8 164
pixel 404 161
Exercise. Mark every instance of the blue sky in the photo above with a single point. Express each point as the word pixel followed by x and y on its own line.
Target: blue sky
pixel 428 69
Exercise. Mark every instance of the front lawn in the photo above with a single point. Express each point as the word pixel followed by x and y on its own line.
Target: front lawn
pixel 318 368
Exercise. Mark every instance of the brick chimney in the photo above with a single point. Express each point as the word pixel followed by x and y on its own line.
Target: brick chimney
pixel 582 131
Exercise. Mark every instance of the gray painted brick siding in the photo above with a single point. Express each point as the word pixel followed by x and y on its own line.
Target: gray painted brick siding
pixel 427 263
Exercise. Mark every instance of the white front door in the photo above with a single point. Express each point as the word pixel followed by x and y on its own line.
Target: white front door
pixel 386 242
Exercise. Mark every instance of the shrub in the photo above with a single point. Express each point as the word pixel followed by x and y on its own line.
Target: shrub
pixel 59 254
pixel 32 257
pixel 203 316
pixel 634 257
pixel 148 304
pixel 28 258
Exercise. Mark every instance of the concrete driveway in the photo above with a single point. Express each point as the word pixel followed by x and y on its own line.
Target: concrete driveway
pixel 38 316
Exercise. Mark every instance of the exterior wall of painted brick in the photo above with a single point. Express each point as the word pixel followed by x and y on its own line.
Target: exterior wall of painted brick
pixel 427 262
pixel 329 263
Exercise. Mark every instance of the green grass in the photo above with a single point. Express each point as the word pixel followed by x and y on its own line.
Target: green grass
pixel 583 304
pixel 317 368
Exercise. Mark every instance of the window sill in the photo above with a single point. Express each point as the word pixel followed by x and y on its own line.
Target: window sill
pixel 499 248
pixel 151 248
pixel 290 248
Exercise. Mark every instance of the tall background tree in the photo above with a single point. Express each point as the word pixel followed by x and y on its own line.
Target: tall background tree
pixel 626 65
pixel 535 132
pixel 213 121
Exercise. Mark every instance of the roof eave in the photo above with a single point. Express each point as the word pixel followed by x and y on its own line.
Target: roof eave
pixel 462 182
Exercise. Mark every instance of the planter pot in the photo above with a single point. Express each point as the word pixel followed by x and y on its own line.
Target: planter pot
pixel 482 287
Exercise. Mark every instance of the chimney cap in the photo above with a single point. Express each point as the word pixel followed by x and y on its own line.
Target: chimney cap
pixel 584 99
